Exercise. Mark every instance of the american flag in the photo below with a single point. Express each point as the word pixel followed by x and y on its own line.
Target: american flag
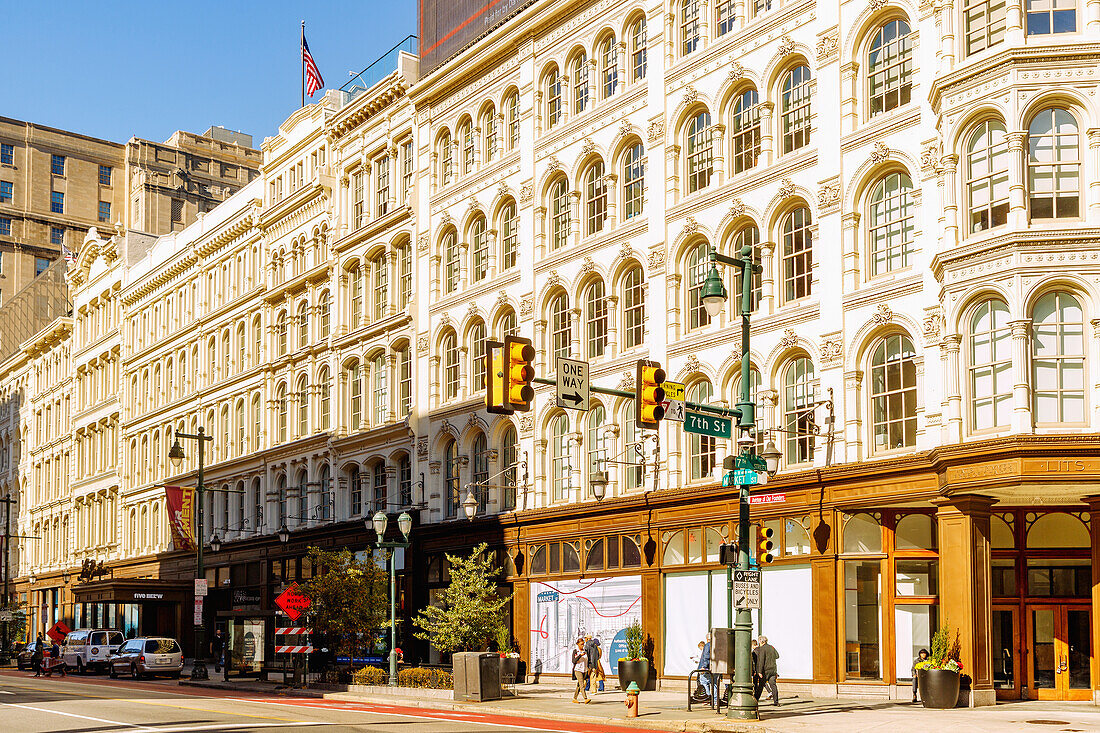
pixel 313 76
pixel 68 254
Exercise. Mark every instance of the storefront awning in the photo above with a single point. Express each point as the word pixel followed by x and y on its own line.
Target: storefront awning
pixel 132 590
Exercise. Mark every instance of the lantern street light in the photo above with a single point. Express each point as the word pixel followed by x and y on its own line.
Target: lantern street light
pixel 598 481
pixel 379 522
pixel 284 534
pixel 469 505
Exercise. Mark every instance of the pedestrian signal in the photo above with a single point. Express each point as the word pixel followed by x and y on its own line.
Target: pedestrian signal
pixel 520 363
pixel 765 545
pixel 727 553
pixel 648 409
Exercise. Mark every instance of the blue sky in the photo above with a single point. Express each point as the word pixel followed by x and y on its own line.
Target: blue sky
pixel 116 70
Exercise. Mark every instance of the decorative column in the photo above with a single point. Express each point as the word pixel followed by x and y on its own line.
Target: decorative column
pixel 394 386
pixel 950 164
pixel 672 172
pixel 491 261
pixel 718 151
pixel 576 458
pixel 437 378
pixel 542 478
pixel 1093 214
pixel 953 414
pixel 1017 204
pixel 436 286
pixel 1014 23
pixel 540 232
pixel 849 223
pixel 849 101
pixel 767 278
pixel 344 403
pixel 540 345
pixel 463 264
pixel 672 303
pixel 853 424
pixel 575 216
pixel 1092 24
pixel 464 387
pixel 612 188
pixel 575 326
pixel 767 141
pixel 612 348
pixel 1021 370
pixel 947 36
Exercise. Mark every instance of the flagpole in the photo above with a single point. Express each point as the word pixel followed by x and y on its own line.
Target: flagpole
pixel 301 53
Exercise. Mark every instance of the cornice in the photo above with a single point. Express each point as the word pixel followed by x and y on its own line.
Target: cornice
pixel 366 105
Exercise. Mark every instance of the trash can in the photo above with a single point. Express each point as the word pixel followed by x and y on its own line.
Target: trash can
pixel 476 676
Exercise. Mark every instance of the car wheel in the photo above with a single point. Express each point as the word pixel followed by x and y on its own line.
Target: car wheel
pixel 134 672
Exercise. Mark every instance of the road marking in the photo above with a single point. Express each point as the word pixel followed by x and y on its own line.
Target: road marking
pixel 211 710
pixel 128 726
pixel 227 724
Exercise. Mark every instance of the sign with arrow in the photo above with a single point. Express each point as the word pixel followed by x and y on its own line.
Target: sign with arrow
pixel 573 387
pixel 746 588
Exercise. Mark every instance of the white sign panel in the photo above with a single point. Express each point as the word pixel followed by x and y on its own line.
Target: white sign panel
pixel 202 587
pixel 198 610
pixel 572 384
pixel 746 588
pixel 674 401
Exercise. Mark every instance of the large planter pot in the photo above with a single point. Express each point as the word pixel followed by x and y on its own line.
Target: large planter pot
pixel 939 688
pixel 633 670
pixel 510 666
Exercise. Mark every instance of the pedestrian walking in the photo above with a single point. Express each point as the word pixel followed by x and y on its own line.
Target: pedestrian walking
pixel 766 661
pixel 595 668
pixel 580 671
pixel 217 645
pixel 36 657
pixel 757 681
pixel 921 656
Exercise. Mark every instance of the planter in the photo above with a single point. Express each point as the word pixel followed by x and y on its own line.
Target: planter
pixel 939 688
pixel 633 670
pixel 509 669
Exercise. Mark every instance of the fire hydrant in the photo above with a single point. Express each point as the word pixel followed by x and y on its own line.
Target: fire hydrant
pixel 632 700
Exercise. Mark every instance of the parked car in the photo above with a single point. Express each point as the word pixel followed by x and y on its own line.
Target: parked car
pixel 148 656
pixel 90 649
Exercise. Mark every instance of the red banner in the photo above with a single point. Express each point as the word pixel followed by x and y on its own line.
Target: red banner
pixel 181 516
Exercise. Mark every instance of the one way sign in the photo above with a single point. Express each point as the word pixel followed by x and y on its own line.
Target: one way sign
pixel 572 384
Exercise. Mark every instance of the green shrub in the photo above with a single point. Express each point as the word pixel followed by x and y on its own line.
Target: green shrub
pixel 635 640
pixel 436 679
pixel 370 676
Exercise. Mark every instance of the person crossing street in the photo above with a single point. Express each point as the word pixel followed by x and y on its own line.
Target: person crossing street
pixel 768 669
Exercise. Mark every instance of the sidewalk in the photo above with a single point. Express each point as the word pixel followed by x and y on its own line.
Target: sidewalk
pixel 667 711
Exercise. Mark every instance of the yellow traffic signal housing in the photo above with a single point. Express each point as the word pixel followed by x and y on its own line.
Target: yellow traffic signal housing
pixel 765 545
pixel 650 395
pixel 519 361
pixel 495 382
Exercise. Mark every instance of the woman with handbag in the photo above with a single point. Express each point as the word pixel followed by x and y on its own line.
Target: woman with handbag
pixel 580 671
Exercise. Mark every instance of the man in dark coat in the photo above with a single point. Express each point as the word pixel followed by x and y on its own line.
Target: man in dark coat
pixel 766 657
pixel 217 645
pixel 37 656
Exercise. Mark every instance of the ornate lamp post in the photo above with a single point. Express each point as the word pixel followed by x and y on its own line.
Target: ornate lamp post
pixel 404 523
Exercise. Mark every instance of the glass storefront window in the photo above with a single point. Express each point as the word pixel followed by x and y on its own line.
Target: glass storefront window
pixel 714 541
pixel 862 614
pixel 674 548
pixel 913 629
pixel 632 551
pixel 131 619
pixel 572 559
pixel 915 532
pixel 796 540
pixel 1003 577
pixel 1003 646
pixel 695 545
pixel 862 534
pixel 538 560
pixel 916 578
pixel 1069 578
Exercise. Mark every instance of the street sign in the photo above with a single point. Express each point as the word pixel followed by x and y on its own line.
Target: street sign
pixel 775 498
pixel 7 616
pixel 745 477
pixel 674 401
pixel 572 384
pixel 701 423
pixel 202 587
pixel 752 462
pixel 198 610
pixel 746 588
pixel 292 602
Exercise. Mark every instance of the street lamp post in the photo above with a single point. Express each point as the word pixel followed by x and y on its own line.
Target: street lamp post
pixel 176 454
pixel 404 523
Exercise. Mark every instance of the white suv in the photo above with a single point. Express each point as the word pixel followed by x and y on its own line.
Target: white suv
pixel 90 649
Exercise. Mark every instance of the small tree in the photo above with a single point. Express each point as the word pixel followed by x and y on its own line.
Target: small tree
pixel 470 613
pixel 349 598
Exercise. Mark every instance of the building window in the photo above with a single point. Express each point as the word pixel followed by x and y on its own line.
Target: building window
pixel 57 202
pixel 633 181
pixel 450 262
pixel 104 210
pixel 894 393
pixel 597 440
pixel 699 152
pixel 798 416
pixel 1053 166
pixel 477 357
pixel 378 487
pixel 579 70
pixel 479 250
pixel 637 50
pixel 105 175
pixel 990 366
pixel 1051 16
pixel 890 67
pixel 891 223
pixel 450 366
pixel 40 265
pixel 689 26
pixel 381 270
pixel 749 236
pixel 404 480
pixel 1058 359
pixel 702 449
pixel 507 325
pixel 560 468
pixel 380 389
pixel 446 169
pixel 303 407
pixel 489 129
pixel 508 236
pixel 280 334
pixel 725 17
pixel 511 107
pixel 480 473
pixel 595 317
pixel 595 199
pixel 5 226
pixel 280 398
pixel 796 108
pixel 466 136
pixel 57 165
pixel 7 154
pixel 325 385
pixel 985 22
pixel 559 214
pixel 509 445
pixel 404 380
pixel 407 165
pixel 609 67
pixel 450 478
pixel 633 307
pixel 797 254
pixel 987 176
pixel 561 333
pixel 57 235
pixel 746 131
pixel 382 185
pixel 698 266
pixel 355 398
pixel 303 324
pixel 177 211
pixel 759 7
pixel 325 314
pixel 404 274
pixel 355 288
pixel 553 98
pixel 6 192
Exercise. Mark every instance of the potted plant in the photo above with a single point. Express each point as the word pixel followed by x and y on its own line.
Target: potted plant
pixel 938 676
pixel 509 660
pixel 634 667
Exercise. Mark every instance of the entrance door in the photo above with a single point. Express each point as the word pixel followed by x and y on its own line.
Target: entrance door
pixel 1061 652
pixel 1006 653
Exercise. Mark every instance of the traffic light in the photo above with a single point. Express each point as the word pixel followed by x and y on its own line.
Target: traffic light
pixel 519 356
pixel 495 381
pixel 765 545
pixel 727 553
pixel 648 408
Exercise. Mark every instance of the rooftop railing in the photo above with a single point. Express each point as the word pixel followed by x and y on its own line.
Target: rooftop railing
pixel 380 69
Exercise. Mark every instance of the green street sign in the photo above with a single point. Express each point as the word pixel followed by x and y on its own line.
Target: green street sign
pixel 751 462
pixel 701 423
pixel 745 477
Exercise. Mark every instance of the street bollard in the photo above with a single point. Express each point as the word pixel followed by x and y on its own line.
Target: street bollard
pixel 632 700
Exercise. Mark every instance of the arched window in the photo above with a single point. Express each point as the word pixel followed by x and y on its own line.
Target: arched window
pixel 560 467
pixel 509 236
pixel 477 357
pixel 891 223
pixel 559 214
pixel 595 198
pixel 579 71
pixel 987 176
pixel 748 236
pixel 1053 165
pixel 796 108
pixel 281 505
pixel 480 474
pixel 324 307
pixel 985 22
pixel 303 407
pixel 404 381
pixel 560 331
pixel 633 181
pixel 597 440
pixel 1051 16
pixel 355 395
pixel 257 344
pixel 894 393
pixel 725 17
pixel 303 325
pixel 507 325
pixel 355 486
pixel 404 273
pixel 489 133
pixel 990 365
pixel 379 389
pixel 380 276
pixel 280 333
pixel 450 478
pixel 1058 359
pixel 479 250
pixel 242 425
pixel 450 262
pixel 633 307
pixel 355 295
pixel 553 98
pixel 511 109
pixel 325 503
pixel 466 139
pixel 700 158
pixel 379 489
pixel 325 386
pixel 890 67
pixel 509 455
pixel 745 121
pixel 698 265
pixel 689 26
pixel 257 422
pixel 595 319
pixel 637 49
pixel 404 479
pixel 609 67
pixel 701 448
pixel 798 418
pixel 797 254
pixel 446 166
pixel 280 400
pixel 449 347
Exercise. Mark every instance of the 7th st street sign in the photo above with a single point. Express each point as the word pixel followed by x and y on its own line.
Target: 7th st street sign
pixel 572 384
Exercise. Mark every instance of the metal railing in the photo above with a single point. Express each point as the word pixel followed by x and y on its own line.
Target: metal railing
pixel 34 307
pixel 385 65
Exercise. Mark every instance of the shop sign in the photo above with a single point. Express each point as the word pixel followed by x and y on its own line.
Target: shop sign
pixel 148 596
pixel 292 602
pixel 245 598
